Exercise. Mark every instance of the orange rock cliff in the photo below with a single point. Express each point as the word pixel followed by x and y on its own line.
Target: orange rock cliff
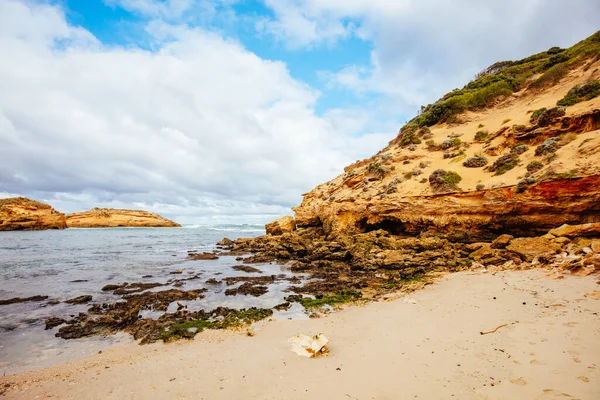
pixel 515 151
pixel 113 218
pixel 20 213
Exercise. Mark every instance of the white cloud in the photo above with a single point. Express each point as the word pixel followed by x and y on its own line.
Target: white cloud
pixel 200 128
pixel 424 48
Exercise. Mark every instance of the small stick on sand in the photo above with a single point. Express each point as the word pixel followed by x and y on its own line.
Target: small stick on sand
pixel 494 330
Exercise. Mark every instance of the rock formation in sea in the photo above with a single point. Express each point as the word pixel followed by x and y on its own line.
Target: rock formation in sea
pixel 113 218
pixel 20 213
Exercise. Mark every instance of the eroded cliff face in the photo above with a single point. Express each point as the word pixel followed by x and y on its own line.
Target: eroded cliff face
pixel 513 185
pixel 113 218
pixel 20 213
pixel 507 169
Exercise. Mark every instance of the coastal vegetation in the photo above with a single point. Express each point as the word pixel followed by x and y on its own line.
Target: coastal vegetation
pixel 503 78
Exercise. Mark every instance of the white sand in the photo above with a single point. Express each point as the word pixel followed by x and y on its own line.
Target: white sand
pixel 431 349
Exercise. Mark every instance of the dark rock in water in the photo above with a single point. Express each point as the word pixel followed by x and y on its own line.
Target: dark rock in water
pixel 246 268
pixel 226 243
pixel 178 272
pixel 283 306
pixel 79 300
pixel 213 281
pixel 247 289
pixel 147 276
pixel 202 256
pixel 293 298
pixel 127 288
pixel 255 280
pixel 159 301
pixel 79 280
pixel 108 288
pixel 53 322
pixel 22 300
pixel 258 258
pixel 111 318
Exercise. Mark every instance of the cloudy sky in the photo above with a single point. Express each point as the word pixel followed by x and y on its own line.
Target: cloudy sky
pixel 228 110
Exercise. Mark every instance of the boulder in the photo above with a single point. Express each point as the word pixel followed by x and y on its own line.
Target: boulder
pixel 529 249
pixel 281 226
pixel 591 229
pixel 484 251
pixel 502 241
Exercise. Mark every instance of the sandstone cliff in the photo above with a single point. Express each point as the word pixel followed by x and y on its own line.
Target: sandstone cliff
pixel 503 173
pixel 113 218
pixel 498 156
pixel 20 213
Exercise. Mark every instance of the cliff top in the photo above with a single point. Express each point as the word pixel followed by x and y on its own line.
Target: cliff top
pixel 22 201
pixel 113 217
pixel 534 119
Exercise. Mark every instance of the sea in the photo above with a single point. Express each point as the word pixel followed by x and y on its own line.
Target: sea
pixel 63 264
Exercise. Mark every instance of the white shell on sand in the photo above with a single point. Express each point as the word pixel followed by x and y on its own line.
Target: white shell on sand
pixel 307 346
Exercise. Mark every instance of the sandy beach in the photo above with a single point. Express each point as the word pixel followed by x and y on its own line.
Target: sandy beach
pixel 426 345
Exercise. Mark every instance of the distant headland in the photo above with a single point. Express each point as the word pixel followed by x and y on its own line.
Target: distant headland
pixel 21 213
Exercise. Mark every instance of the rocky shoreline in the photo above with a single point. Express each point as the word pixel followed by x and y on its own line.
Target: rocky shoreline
pixel 331 271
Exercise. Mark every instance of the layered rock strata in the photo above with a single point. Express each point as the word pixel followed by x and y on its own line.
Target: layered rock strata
pixel 20 213
pixel 114 218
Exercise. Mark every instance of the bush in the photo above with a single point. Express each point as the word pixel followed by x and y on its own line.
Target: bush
pixel 555 50
pixel 441 180
pixel 546 117
pixel 475 162
pixel 519 128
pixel 377 169
pixel 505 163
pixel 580 93
pixel 523 184
pixel 480 136
pixel 408 138
pixel 519 149
pixel 451 142
pixel 556 59
pixel 534 166
pixel 480 186
pixel 551 76
pixel 431 145
pixel 536 114
pixel 549 146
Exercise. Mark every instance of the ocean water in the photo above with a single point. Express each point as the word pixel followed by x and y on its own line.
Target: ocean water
pixel 64 264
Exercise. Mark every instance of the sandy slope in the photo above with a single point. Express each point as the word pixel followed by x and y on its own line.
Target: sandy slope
pixel 514 110
pixel 431 349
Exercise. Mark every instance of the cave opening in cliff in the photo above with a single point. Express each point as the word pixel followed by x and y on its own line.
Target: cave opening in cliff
pixel 391 226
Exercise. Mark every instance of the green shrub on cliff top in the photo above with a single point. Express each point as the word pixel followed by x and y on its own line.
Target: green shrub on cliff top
pixel 580 93
pixel 504 78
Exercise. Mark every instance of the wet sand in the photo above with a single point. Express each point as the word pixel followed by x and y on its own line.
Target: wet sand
pixel 427 346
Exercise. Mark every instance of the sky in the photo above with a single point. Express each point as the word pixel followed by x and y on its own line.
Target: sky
pixel 226 111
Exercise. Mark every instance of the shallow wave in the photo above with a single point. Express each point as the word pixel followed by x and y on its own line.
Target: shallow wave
pixel 228 228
